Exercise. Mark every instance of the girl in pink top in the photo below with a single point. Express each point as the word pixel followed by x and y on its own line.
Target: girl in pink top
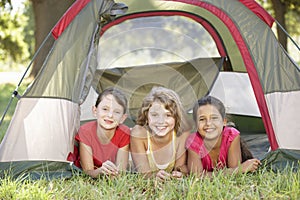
pixel 104 143
pixel 214 145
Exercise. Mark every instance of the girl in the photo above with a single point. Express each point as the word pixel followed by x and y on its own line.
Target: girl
pixel 215 145
pixel 104 144
pixel 158 140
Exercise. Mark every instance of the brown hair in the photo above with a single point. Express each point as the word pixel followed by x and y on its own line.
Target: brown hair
pixel 117 94
pixel 210 100
pixel 171 101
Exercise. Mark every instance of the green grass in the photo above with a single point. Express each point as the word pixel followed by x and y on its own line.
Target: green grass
pixel 261 185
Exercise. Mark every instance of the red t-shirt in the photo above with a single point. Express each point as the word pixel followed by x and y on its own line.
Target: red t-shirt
pixel 102 152
pixel 195 143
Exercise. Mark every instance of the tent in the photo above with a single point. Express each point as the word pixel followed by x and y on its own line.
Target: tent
pixel 223 48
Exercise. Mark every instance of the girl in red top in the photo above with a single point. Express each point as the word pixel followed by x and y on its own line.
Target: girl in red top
pixel 215 145
pixel 104 144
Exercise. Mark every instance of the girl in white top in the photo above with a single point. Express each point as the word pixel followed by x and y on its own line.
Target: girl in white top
pixel 158 140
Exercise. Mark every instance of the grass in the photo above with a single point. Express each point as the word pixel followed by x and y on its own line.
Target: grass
pixel 264 184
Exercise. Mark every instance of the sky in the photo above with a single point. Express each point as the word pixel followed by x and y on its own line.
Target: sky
pixel 17 4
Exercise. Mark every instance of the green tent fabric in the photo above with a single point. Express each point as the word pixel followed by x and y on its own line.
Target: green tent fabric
pixel 282 159
pixel 33 170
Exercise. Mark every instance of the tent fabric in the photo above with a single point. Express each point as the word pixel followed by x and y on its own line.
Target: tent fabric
pixel 259 11
pixel 282 159
pixel 68 17
pixel 34 170
pixel 48 126
pixel 97 45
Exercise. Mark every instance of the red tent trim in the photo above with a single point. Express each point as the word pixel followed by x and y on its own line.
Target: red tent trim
pixel 259 11
pixel 204 23
pixel 68 17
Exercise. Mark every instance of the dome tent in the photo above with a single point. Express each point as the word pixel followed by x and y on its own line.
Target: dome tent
pixel 186 45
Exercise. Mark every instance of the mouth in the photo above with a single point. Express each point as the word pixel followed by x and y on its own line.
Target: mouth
pixel 107 121
pixel 209 130
pixel 161 128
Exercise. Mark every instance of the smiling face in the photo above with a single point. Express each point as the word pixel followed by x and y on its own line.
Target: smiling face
pixel 210 122
pixel 109 113
pixel 161 121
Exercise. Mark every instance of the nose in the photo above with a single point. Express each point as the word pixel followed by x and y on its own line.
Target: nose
pixel 208 121
pixel 110 113
pixel 161 119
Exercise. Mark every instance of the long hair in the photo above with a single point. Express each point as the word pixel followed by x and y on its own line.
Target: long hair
pixel 218 104
pixel 117 94
pixel 171 101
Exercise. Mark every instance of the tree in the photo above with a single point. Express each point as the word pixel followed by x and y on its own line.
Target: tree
pixel 46 15
pixel 287 13
pixel 12 36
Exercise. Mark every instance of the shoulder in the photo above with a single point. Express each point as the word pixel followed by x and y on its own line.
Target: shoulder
pixel 230 132
pixel 86 132
pixel 194 141
pixel 183 137
pixel 139 131
pixel 88 125
pixel 123 129
pixel 87 128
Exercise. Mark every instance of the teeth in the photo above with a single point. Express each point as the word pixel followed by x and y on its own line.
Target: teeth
pixel 209 130
pixel 161 127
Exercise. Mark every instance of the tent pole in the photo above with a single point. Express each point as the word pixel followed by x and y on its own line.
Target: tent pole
pixel 15 92
pixel 278 24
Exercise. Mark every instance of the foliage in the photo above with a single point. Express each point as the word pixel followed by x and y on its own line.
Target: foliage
pixel 292 16
pixel 262 185
pixel 16 34
pixel 5 2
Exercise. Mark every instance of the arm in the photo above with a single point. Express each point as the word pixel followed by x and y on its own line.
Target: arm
pixel 195 165
pixel 87 163
pixel 180 167
pixel 138 145
pixel 235 157
pixel 234 153
pixel 122 158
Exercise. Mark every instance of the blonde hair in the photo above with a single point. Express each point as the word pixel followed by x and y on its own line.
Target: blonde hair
pixel 171 101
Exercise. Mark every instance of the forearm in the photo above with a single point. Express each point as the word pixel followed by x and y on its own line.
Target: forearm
pixel 183 169
pixel 93 173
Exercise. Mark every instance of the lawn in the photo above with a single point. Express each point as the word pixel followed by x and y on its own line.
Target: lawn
pixel 264 184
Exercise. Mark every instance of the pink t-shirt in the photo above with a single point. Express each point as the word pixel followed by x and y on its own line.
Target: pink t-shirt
pixel 195 143
pixel 102 152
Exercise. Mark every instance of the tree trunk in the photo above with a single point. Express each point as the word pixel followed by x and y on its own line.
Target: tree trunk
pixel 46 15
pixel 280 11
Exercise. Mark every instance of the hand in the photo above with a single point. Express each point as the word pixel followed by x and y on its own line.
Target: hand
pixel 162 175
pixel 108 168
pixel 177 174
pixel 250 165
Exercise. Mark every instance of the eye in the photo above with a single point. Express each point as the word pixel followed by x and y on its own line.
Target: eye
pixel 117 111
pixel 104 108
pixel 214 117
pixel 153 114
pixel 201 119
